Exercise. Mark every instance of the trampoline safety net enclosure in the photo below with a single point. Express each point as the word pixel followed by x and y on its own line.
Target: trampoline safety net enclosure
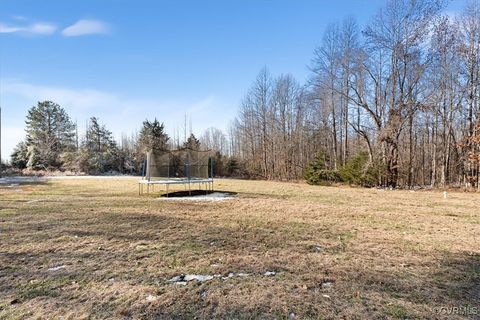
pixel 185 166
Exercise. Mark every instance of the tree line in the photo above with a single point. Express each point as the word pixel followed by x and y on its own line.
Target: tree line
pixel 392 103
pixel 52 143
pixel 395 103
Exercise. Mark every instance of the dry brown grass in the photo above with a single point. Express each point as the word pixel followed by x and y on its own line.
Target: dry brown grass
pixel 338 252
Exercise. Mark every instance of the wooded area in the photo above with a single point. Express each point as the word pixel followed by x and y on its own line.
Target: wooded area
pixel 393 103
pixel 405 90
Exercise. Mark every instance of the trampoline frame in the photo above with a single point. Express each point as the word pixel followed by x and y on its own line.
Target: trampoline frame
pixel 188 181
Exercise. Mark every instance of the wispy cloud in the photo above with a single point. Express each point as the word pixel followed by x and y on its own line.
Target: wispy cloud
pixel 22 25
pixel 76 98
pixel 39 28
pixel 21 18
pixel 202 105
pixel 86 27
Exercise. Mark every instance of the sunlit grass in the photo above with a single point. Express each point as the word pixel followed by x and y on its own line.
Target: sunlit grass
pixel 387 254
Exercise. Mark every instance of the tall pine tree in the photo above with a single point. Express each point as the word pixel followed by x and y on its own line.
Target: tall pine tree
pixel 50 133
pixel 153 137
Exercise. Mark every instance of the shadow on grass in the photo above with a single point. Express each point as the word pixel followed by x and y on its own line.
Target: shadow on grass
pixel 197 193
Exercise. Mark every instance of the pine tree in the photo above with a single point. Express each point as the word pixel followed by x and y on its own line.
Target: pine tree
pixel 19 157
pixel 192 143
pixel 317 172
pixel 99 152
pixel 153 137
pixel 50 132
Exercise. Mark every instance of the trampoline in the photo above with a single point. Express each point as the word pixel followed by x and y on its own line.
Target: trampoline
pixel 184 166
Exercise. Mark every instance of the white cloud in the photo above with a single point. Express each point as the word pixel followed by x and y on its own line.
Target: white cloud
pixel 42 28
pixel 85 27
pixel 8 29
pixel 39 28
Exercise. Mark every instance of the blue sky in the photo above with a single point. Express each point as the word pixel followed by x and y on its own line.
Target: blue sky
pixel 125 61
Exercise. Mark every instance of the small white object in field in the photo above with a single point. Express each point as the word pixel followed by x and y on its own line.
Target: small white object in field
pixel 57 268
pixel 184 279
pixel 327 284
pixel 198 277
pixel 151 298
pixel 189 277
pixel 445 194
pixel 269 273
pixel 326 296
pixel 176 279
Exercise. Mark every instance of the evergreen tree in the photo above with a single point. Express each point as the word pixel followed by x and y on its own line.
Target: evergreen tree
pixel 99 152
pixel 317 172
pixel 232 167
pixel 359 171
pixel 153 137
pixel 50 132
pixel 192 143
pixel 19 157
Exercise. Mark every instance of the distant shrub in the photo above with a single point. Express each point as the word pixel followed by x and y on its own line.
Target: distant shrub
pixel 232 167
pixel 316 172
pixel 236 168
pixel 360 171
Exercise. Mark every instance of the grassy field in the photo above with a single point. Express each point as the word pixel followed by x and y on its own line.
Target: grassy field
pixel 95 249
